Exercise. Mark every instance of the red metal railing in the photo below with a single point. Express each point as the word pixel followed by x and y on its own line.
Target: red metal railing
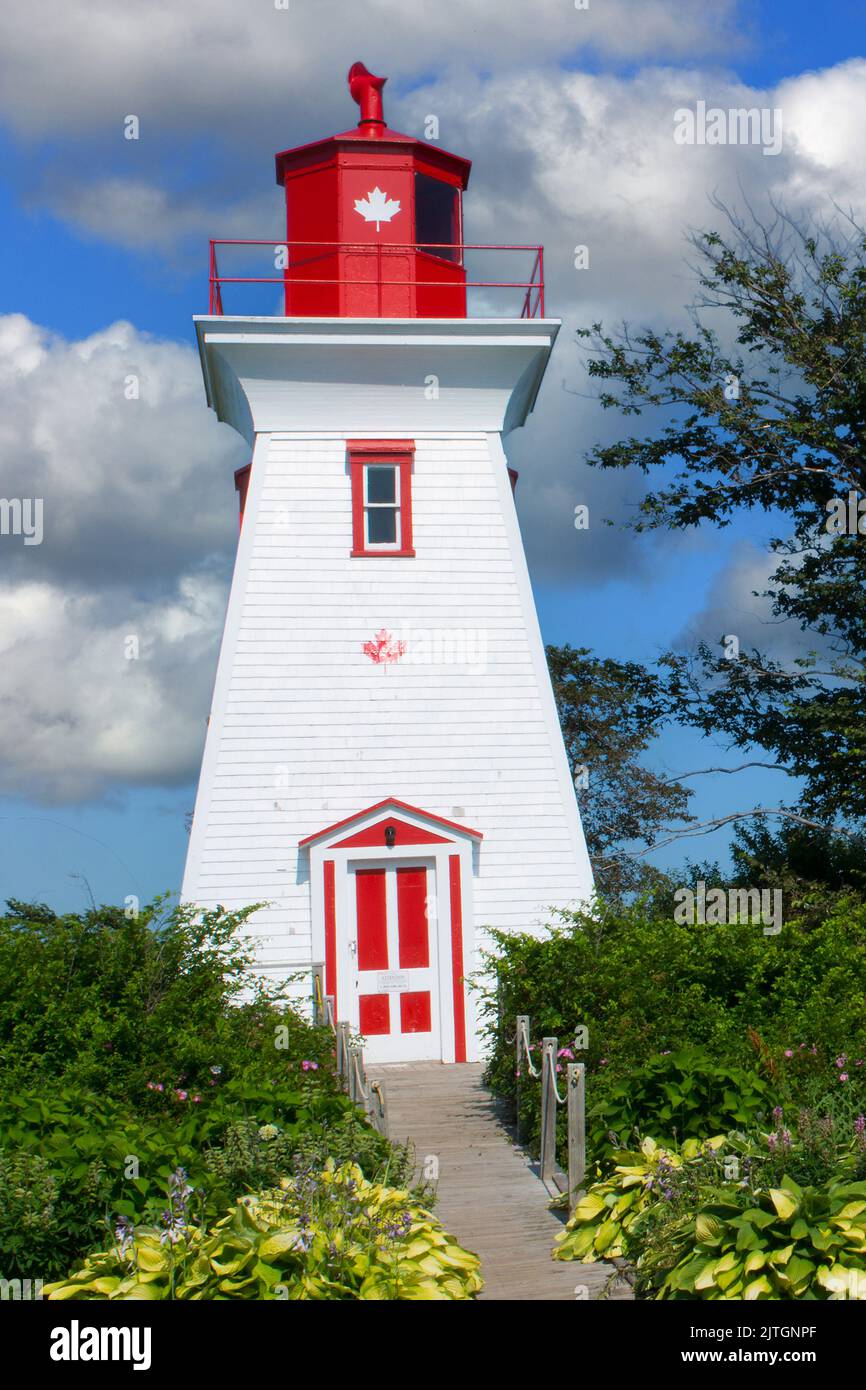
pixel 440 253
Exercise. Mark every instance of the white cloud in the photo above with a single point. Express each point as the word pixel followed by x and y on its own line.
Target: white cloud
pixel 736 605
pixel 139 215
pixel 134 490
pixel 210 65
pixel 78 715
pixel 139 522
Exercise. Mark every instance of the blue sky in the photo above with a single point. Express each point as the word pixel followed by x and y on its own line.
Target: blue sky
pixel 125 835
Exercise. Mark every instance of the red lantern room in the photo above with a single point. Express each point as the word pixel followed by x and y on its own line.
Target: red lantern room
pixel 374 220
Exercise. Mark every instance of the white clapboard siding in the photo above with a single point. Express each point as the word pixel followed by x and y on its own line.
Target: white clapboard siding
pixel 306 730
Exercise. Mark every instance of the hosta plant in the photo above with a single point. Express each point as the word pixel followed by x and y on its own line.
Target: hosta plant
pixel 788 1243
pixel 328 1234
pixel 605 1221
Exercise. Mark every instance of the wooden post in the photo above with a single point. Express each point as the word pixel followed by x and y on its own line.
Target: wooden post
pixel 380 1116
pixel 318 993
pixel 353 1056
pixel 576 1130
pixel 343 1050
pixel 520 1061
pixel 548 1108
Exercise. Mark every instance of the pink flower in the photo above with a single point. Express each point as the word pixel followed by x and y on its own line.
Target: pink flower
pixel 566 1052
pixel 788 1052
pixel 309 1066
pixel 196 1100
pixel 181 1095
pixel 602 1062
pixel 843 1076
pixel 159 1086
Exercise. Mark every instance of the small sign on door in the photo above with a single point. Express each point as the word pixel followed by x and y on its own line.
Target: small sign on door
pixel 392 980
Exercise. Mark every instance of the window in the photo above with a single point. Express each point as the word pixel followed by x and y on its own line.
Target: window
pixel 381 504
pixel 436 217
pixel 381 472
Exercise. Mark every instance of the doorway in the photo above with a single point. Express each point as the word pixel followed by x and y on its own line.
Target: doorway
pixel 393 960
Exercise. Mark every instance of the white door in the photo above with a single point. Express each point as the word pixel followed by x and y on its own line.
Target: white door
pixel 393 962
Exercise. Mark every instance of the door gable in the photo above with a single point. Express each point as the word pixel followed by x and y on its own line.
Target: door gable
pixel 404 834
pixel 412 826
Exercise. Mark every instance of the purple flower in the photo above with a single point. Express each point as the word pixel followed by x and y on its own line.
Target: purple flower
pixel 843 1076
pixel 307 1065
pixel 789 1052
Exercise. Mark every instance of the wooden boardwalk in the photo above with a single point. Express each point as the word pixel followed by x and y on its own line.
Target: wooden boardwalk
pixel 489 1196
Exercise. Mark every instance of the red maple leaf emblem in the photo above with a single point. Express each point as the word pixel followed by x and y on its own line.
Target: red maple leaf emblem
pixel 384 648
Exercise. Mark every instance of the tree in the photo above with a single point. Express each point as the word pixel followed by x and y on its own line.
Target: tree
pixel 608 711
pixel 777 422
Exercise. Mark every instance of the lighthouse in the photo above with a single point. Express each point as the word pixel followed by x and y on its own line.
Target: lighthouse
pixel 383 767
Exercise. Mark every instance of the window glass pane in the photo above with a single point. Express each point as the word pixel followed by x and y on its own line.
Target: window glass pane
pixel 381 483
pixel 381 525
pixel 436 215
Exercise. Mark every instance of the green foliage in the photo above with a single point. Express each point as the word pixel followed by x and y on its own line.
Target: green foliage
pixel 644 986
pixel 688 1232
pixel 788 441
pixel 678 1097
pixel 788 1243
pixel 604 1222
pixel 319 1235
pixel 84 1160
pixel 110 1002
pixel 134 1046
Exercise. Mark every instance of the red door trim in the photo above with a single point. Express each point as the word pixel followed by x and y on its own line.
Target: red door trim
pixel 457 958
pixel 331 934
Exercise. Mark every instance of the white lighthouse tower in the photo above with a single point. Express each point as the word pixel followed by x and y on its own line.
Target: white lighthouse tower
pixel 383 767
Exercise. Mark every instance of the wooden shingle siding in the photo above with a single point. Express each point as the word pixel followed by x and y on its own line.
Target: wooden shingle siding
pixel 306 729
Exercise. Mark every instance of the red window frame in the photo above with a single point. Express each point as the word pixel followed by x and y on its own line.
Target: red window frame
pixel 362 453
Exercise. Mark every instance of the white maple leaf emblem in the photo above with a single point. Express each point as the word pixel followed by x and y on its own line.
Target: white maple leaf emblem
pixel 377 207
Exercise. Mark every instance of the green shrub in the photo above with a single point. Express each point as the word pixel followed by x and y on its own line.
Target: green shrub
pixel 82 1161
pixel 644 986
pixel 789 1243
pixel 169 997
pixel 677 1097
pixel 319 1235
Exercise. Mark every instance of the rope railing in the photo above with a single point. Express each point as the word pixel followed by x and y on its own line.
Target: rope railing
pixel 574 1100
pixel 349 1058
